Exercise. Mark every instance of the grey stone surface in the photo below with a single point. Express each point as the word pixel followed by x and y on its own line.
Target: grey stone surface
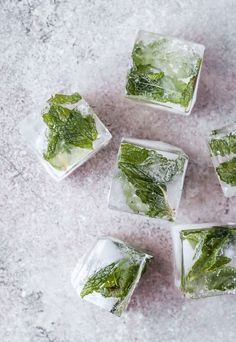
pixel 49 46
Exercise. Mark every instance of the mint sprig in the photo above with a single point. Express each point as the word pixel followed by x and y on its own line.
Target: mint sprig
pixel 146 175
pixel 67 129
pixel 114 280
pixel 211 269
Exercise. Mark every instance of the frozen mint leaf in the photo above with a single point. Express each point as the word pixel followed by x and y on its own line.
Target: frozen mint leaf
pixel 141 84
pixel 114 280
pixel 223 146
pixel 163 74
pixel 146 175
pixel 65 99
pixel 155 76
pixel 67 129
pixel 80 130
pixel 227 171
pixel 194 237
pixel 187 93
pixel 210 269
pixel 223 279
pixel 219 261
pixel 97 280
pixel 212 243
pixel 56 115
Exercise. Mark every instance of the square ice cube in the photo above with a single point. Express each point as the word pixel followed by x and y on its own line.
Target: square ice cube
pixel 164 72
pixel 66 135
pixel 109 273
pixel 205 259
pixel 222 145
pixel 148 179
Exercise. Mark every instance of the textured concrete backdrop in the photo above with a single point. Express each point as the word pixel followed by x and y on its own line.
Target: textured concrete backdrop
pixel 61 45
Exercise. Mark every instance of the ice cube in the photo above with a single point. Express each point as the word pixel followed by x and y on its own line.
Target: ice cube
pixel 205 257
pixel 148 178
pixel 164 72
pixel 67 156
pixel 222 145
pixel 109 273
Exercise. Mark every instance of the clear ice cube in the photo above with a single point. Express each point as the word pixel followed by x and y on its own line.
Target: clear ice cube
pixel 222 145
pixel 153 187
pixel 205 259
pixel 109 273
pixel 164 72
pixel 34 131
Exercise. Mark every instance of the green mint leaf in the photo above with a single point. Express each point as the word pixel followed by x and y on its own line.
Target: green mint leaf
pixel 155 76
pixel 142 85
pixel 227 171
pixel 67 129
pixel 194 237
pixel 65 99
pixel 187 93
pixel 223 146
pixel 223 279
pixel 210 270
pixel 158 74
pixel 219 261
pixel 114 280
pixel 146 174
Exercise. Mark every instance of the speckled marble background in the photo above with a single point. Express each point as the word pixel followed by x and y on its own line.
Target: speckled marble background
pixel 51 46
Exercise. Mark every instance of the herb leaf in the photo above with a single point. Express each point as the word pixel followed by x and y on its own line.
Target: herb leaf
pixel 222 280
pixel 148 174
pixel 65 99
pixel 210 271
pixel 67 129
pixel 114 280
pixel 152 77
pixel 227 171
pixel 223 146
